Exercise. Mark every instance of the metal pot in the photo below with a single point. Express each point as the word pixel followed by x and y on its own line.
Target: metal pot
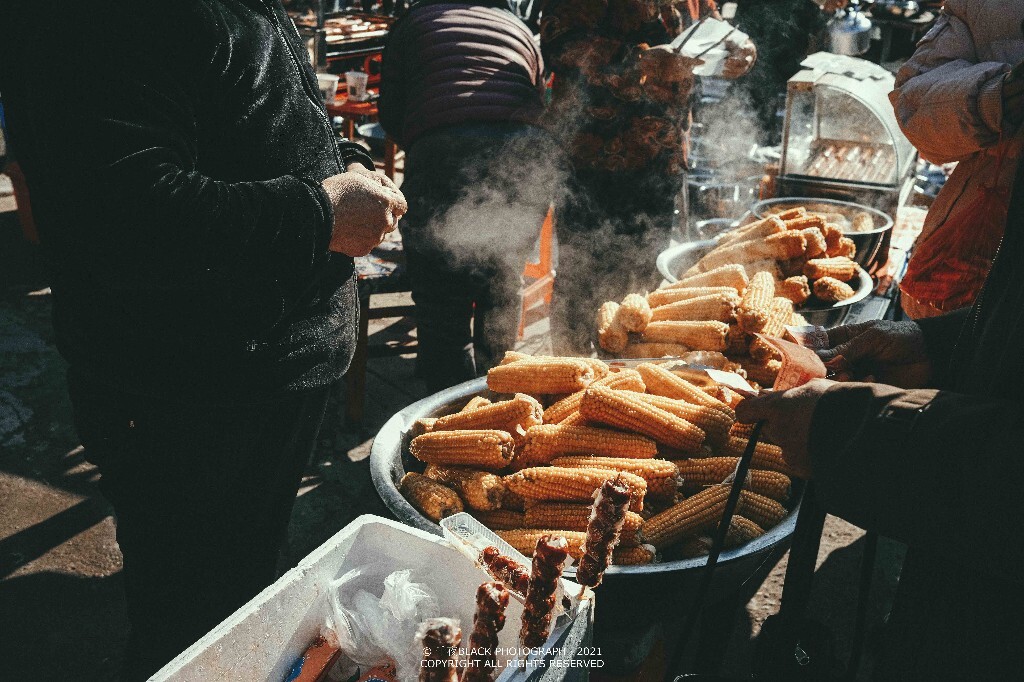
pixel 849 32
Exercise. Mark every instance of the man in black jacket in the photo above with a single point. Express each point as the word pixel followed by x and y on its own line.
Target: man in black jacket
pixel 931 456
pixel 201 220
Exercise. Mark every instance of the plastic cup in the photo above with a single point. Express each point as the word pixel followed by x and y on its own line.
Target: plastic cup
pixel 356 81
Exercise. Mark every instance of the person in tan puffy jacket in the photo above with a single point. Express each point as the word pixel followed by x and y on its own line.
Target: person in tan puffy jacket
pixel 958 99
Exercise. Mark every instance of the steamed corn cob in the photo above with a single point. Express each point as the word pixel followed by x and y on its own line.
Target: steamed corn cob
pixel 694 515
pixel 623 411
pixel 833 234
pixel 780 314
pixel 770 266
pixel 755 307
pixel 799 320
pixel 791 213
pixel 484 449
pixel 515 416
pixel 433 500
pixel 480 490
pixel 816 245
pixel 513 501
pixel 720 307
pixel 626 379
pixel 611 335
pixel 660 381
pixel 660 474
pixel 766 455
pixel 763 373
pixel 525 540
pixel 805 221
pixel 847 248
pixel 654 350
pixel 634 313
pixel 575 516
pixel 501 519
pixel 558 484
pixel 781 246
pixel 763 352
pixel 633 556
pixel 699 473
pixel 839 268
pixel 660 297
pixel 474 403
pixel 832 290
pixel 862 222
pixel 544 443
pixel 574 419
pixel 541 376
pixel 729 275
pixel 741 531
pixel 762 510
pixel 796 289
pixel 708 335
pixel 713 421
pixel 758 229
pixel 737 341
pixel 773 484
pixel 423 425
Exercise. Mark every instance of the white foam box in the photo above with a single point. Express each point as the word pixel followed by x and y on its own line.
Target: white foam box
pixel 264 638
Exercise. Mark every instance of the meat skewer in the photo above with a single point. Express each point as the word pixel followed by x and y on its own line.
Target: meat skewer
pixel 491 601
pixel 506 569
pixel 606 518
pixel 440 639
pixel 548 560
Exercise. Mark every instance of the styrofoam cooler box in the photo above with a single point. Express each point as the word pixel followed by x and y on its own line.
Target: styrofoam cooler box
pixel 264 638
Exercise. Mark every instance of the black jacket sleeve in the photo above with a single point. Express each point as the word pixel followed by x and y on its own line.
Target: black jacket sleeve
pixel 934 469
pixel 940 337
pixel 392 102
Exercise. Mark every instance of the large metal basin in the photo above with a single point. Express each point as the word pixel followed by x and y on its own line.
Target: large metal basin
pixel 676 259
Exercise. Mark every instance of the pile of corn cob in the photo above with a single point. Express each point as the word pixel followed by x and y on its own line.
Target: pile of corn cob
pixel 531 463
pixel 749 283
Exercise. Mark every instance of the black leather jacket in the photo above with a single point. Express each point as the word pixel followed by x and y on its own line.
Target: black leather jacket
pixel 175 177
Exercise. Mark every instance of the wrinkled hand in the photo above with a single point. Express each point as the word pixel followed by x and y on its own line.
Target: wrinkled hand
pixel 887 352
pixel 367 206
pixel 740 60
pixel 787 416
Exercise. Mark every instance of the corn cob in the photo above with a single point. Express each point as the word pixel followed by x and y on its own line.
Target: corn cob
pixel 513 356
pixel 693 515
pixel 621 410
pixel 696 335
pixel 816 245
pixel 422 425
pixel 660 381
pixel 713 421
pixel 755 307
pixel 720 307
pixel 832 290
pixel 730 275
pixel 791 213
pixel 847 248
pixel 557 484
pixel 431 498
pixel 779 316
pixel 574 419
pixel 796 289
pixel 833 234
pixel 611 335
pixel 769 266
pixel 805 221
pixel 634 313
pixel 544 443
pixel 741 531
pixel 525 539
pixel 737 341
pixel 660 474
pixel 513 501
pixel 781 246
pixel 513 416
pixel 766 455
pixel 654 350
pixel 484 449
pixel 626 379
pixel 839 268
pixel 862 222
pixel 601 368
pixel 661 297
pixel 741 430
pixel 699 473
pixel 474 403
pixel 694 547
pixel 572 516
pixel 755 230
pixel 763 352
pixel 762 510
pixel 541 375
pixel 633 556
pixel 799 320
pixel 773 484
pixel 764 373
pixel 501 519
pixel 480 490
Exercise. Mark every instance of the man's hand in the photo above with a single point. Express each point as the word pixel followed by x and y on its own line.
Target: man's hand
pixel 787 416
pixel 888 352
pixel 367 206
pixel 740 60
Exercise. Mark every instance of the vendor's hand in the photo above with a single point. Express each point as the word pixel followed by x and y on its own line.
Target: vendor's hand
pixel 883 351
pixel 787 420
pixel 833 5
pixel 740 60
pixel 367 206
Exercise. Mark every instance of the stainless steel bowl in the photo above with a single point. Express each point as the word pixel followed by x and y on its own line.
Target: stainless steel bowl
pixel 677 259
pixel 390 460
pixel 868 243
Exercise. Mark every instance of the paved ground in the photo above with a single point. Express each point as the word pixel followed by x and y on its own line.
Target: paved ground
pixel 60 594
